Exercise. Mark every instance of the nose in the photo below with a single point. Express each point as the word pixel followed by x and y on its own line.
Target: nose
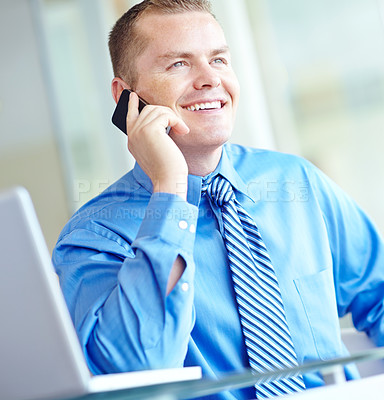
pixel 206 77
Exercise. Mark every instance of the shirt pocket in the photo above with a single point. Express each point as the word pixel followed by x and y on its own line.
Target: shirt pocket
pixel 318 297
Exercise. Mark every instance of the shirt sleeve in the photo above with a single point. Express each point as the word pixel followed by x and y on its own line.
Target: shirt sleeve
pixel 116 290
pixel 358 258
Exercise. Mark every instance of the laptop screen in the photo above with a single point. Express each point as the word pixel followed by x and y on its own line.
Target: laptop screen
pixel 40 356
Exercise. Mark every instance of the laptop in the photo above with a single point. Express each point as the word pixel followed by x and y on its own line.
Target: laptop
pixel 40 355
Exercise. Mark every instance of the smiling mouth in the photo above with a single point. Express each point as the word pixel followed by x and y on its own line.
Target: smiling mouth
pixel 211 105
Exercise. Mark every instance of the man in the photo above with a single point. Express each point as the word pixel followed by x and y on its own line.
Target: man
pixel 147 267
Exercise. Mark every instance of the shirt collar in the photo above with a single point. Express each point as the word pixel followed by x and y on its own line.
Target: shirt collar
pixel 142 178
pixel 228 171
pixel 224 168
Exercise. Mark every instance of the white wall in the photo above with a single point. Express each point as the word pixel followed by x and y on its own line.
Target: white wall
pixel 28 153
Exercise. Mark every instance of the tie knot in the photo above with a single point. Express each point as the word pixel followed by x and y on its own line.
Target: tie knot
pixel 219 190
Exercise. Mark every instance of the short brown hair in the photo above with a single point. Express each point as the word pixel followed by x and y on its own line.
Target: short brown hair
pixel 125 43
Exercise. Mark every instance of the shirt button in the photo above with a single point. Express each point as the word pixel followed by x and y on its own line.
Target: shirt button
pixel 183 224
pixel 192 228
pixel 185 287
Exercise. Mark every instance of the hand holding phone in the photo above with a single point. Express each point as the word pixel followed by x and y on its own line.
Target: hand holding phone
pixel 157 154
pixel 119 117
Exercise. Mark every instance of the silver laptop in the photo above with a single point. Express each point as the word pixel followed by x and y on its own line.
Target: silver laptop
pixel 40 355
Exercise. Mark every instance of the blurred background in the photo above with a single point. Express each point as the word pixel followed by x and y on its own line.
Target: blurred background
pixel 311 73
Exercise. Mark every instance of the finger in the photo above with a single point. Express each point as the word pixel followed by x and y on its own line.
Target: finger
pixel 133 109
pixel 148 114
pixel 177 125
pixel 165 117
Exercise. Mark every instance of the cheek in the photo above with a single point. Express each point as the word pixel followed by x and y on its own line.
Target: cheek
pixel 159 92
pixel 235 89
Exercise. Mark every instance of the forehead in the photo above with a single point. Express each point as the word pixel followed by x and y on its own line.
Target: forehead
pixel 189 32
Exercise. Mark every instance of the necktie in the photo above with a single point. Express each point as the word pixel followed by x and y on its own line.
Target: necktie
pixel 266 334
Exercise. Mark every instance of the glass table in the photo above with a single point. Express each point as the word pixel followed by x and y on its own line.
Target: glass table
pixel 330 369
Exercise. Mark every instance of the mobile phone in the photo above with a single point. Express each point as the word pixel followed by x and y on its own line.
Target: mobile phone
pixel 119 117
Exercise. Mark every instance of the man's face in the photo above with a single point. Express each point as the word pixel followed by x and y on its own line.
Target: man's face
pixel 186 66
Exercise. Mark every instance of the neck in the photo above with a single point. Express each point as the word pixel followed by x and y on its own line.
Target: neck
pixel 204 162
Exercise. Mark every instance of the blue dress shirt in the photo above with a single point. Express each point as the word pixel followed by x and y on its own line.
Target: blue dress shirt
pixel 115 254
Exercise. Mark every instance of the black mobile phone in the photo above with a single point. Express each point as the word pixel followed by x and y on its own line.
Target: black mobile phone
pixel 119 117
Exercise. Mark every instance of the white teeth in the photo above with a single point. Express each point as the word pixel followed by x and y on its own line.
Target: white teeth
pixel 205 106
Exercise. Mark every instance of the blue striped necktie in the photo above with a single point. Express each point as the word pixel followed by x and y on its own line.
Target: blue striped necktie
pixel 266 334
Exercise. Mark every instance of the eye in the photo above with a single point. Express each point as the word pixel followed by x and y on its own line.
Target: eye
pixel 220 60
pixel 178 64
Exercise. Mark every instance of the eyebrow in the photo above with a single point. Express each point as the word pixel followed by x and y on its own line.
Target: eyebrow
pixel 185 54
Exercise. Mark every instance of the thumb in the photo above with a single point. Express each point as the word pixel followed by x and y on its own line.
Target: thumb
pixel 179 126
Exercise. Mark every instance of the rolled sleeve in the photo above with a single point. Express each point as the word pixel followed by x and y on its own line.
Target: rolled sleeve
pixel 114 273
pixel 169 217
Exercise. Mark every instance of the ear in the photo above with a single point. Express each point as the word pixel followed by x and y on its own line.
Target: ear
pixel 118 85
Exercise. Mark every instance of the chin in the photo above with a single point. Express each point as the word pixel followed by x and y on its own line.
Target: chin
pixel 202 141
pixel 218 137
